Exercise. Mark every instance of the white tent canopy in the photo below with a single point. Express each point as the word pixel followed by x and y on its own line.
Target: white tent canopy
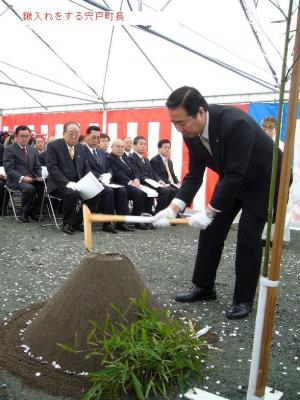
pixel 94 62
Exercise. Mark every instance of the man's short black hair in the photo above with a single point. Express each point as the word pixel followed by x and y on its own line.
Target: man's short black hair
pixel 104 136
pixel 163 141
pixel 22 128
pixel 189 98
pixel 92 128
pixel 137 138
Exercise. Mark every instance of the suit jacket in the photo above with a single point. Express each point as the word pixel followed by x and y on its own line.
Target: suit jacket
pixel 41 157
pixel 144 168
pixel 1 153
pixel 242 156
pixel 61 168
pixel 159 168
pixel 16 164
pixel 122 173
pixel 97 167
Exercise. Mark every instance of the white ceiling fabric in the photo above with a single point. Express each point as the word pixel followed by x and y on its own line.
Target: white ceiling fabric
pixel 215 28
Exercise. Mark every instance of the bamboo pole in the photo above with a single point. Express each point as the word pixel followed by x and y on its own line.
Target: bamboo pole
pixel 89 218
pixel 280 216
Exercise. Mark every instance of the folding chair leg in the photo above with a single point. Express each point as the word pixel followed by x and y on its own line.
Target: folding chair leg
pixel 53 215
pixel 47 201
pixel 11 201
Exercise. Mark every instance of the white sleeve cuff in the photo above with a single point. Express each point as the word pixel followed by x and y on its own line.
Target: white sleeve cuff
pixel 179 203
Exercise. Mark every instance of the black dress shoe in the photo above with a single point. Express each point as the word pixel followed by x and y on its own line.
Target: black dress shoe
pixel 123 227
pixel 197 294
pixel 142 227
pixel 109 228
pixel 151 226
pixel 24 218
pixel 67 228
pixel 239 310
pixel 33 216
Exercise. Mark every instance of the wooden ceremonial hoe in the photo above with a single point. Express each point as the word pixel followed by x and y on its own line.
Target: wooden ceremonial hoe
pixel 89 218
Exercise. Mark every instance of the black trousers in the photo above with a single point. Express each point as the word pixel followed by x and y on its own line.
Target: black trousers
pixel 32 194
pixel 165 196
pixel 141 203
pixel 113 200
pixel 248 251
pixel 71 208
pixel 121 201
pixel 2 183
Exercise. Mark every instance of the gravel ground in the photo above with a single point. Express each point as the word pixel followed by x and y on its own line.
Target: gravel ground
pixel 35 261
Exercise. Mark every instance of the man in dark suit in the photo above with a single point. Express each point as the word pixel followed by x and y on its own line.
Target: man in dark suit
pixel 124 173
pixel 2 176
pixel 39 146
pixel 111 199
pixel 163 166
pixel 165 193
pixel 67 164
pixel 228 141
pixel 22 169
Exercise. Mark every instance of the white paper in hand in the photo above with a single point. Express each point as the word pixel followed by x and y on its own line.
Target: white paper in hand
pixel 89 186
pixel 153 183
pixel 149 192
pixel 2 171
pixel 44 172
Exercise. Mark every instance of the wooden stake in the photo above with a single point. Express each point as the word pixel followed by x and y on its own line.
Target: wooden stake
pixel 88 240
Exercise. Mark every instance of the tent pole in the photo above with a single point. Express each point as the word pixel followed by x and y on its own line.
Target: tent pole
pixel 274 271
pixel 104 119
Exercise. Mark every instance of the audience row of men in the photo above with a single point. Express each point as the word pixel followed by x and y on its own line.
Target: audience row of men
pixel 68 161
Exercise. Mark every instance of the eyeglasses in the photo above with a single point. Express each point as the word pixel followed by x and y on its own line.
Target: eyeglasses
pixel 73 133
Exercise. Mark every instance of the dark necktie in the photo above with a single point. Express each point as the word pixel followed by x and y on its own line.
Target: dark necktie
pixel 25 152
pixel 95 155
pixel 123 161
pixel 206 144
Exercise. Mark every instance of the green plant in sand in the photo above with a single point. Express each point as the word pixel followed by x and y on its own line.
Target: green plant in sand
pixel 150 356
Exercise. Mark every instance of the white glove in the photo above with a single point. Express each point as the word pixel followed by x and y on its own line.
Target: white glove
pixel 105 178
pixel 72 185
pixel 200 220
pixel 161 218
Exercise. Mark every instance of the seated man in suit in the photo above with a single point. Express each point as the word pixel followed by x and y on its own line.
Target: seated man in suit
pixel 163 166
pixel 104 142
pixel 67 164
pixel 22 169
pixel 166 193
pixel 124 173
pixel 111 199
pixel 2 176
pixel 39 146
pixel 128 145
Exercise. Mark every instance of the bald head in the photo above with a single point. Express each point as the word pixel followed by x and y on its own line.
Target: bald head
pixel 118 147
